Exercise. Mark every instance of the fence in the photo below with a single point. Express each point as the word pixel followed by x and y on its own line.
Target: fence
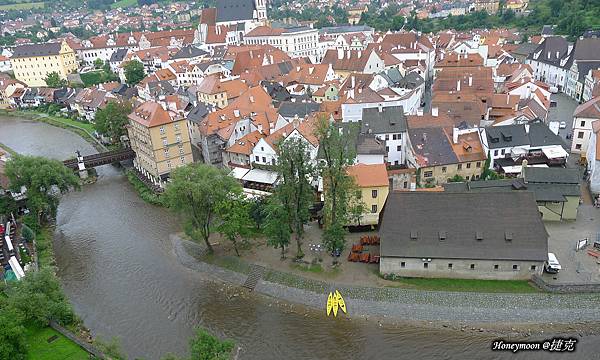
pixel 87 347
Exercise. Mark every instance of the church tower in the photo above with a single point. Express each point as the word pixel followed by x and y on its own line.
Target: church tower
pixel 261 9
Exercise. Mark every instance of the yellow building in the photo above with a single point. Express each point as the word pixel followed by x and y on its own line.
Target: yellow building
pixel 372 181
pixel 32 63
pixel 160 139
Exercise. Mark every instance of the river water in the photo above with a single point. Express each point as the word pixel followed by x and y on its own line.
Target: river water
pixel 116 265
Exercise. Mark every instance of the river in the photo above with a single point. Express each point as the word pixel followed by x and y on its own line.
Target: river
pixel 117 267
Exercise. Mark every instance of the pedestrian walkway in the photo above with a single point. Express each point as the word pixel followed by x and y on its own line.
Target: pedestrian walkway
pixel 256 273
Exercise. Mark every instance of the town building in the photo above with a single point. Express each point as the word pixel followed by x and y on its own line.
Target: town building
pixel 299 41
pixel 32 63
pixel 159 136
pixel 593 159
pixel 556 190
pixel 444 154
pixel 583 118
pixel 373 184
pixel 462 235
pixel 388 124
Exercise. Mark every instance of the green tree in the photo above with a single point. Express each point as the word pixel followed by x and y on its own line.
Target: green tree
pixel 7 205
pixel 196 191
pixel 39 298
pixel 98 63
pixel 54 80
pixel 277 229
pixel 134 72
pixel 336 146
pixel 44 180
pixel 258 211
pixel 234 217
pixel 111 120
pixel 204 346
pixel 456 178
pixel 12 337
pixel 295 193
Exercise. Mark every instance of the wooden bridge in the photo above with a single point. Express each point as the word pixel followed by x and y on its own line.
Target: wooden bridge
pixel 100 159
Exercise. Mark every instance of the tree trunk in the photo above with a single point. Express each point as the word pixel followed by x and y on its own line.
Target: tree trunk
pixel 299 254
pixel 208 245
pixel 282 252
pixel 235 247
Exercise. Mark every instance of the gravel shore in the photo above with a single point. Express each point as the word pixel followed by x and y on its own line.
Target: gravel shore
pixel 412 305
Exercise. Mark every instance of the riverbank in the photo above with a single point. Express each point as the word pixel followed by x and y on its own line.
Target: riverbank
pixel 84 130
pixel 456 309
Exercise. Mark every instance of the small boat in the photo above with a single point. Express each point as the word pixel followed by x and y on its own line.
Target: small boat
pixel 341 302
pixel 335 305
pixel 329 303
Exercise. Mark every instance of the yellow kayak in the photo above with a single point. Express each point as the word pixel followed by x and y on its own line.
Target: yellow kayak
pixel 340 301
pixel 329 303
pixel 335 304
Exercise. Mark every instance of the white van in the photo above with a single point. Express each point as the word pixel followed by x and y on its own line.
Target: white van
pixel 552 265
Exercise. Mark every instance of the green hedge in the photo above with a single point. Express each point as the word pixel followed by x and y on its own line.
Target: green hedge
pixel 144 191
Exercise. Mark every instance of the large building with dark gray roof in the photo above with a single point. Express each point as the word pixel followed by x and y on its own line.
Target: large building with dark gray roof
pixel 495 235
pixel 556 190
pixel 236 11
pixel 509 145
pixel 388 124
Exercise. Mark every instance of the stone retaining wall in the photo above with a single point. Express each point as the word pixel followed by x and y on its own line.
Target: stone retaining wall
pixel 567 287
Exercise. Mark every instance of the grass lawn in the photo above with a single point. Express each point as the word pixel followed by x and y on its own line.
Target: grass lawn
pixel 38 347
pixel 43 241
pixel 22 6
pixel 124 4
pixel 473 285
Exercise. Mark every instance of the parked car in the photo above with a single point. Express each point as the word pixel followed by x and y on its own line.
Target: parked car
pixel 563 125
pixel 553 89
pixel 552 266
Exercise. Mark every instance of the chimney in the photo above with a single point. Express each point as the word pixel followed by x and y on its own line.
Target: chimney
pixel 295 122
pixel 348 53
pixel 359 54
pixel 380 107
pixel 252 99
pixel 236 113
pixel 340 54
pixel 420 112
pixel 260 128
pixel 360 90
pixel 297 68
pixel 458 85
pixel 507 99
pixel 434 111
pixel 454 135
pixel 310 70
pixel 527 128
pixel 352 81
pixel 470 80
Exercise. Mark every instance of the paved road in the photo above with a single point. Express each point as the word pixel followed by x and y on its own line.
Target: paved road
pixel 565 106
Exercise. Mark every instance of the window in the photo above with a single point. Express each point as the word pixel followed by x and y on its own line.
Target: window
pixel 472 267
pixel 162 129
pixel 373 194
pixel 450 266
pixel 374 209
pixel 503 151
pixel 443 169
pixel 515 267
pixel 405 184
pixel 402 264
pixel 580 135
pixel 399 148
pixel 468 165
pixel 533 267
pixel 264 159
pixel 578 146
pixel 387 149
pixel 425 265
pixel 478 164
pixel 257 158
pixel 582 123
pixel 387 137
pixel 496 267
pixel 428 174
pixel 182 158
pixel 459 166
